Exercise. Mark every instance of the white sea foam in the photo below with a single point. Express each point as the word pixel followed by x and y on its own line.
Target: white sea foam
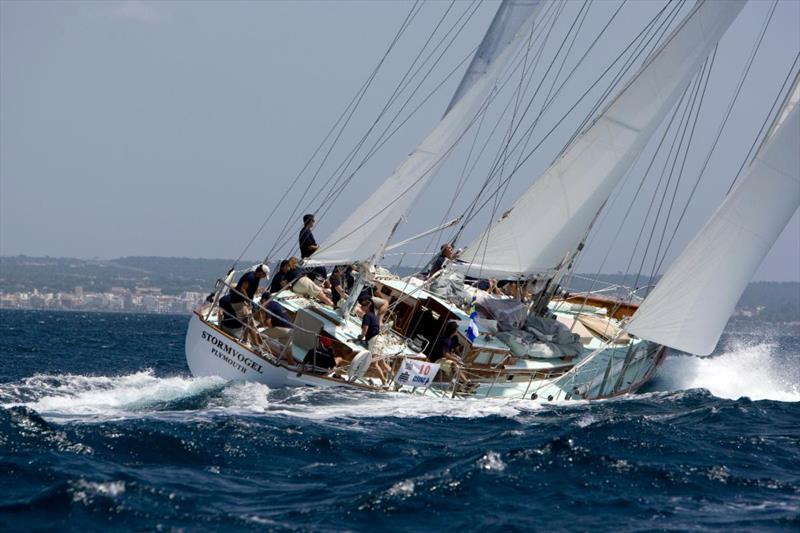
pixel 492 461
pixel 75 395
pixel 348 404
pixel 741 370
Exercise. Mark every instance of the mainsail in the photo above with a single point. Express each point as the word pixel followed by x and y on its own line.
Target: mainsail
pixel 551 218
pixel 366 232
pixel 691 304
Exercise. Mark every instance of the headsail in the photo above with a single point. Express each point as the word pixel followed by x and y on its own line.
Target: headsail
pixel 691 304
pixel 552 216
pixel 366 231
pixel 506 22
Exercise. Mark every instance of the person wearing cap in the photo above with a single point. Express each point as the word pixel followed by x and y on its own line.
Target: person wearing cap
pixel 248 283
pixel 308 245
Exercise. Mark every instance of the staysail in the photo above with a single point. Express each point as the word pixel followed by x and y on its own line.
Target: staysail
pixel 551 218
pixel 366 231
pixel 691 304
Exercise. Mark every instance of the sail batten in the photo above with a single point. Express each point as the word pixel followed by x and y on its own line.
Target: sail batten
pixel 691 304
pixel 551 218
pixel 366 232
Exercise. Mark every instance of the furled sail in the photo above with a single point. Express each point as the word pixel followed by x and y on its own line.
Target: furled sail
pixel 506 22
pixel 691 304
pixel 366 231
pixel 551 218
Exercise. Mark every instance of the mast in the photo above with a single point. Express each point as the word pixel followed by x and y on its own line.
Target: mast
pixel 691 304
pixel 551 218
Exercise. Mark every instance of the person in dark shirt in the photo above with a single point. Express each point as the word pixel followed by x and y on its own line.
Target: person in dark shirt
pixel 301 284
pixel 369 322
pixel 380 305
pixel 232 316
pixel 248 283
pixel 273 318
pixel 446 252
pixel 337 290
pixel 279 279
pixel 276 314
pixel 370 330
pixel 323 355
pixel 308 245
pixel 444 351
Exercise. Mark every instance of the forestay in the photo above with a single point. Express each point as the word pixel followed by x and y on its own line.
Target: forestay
pixel 691 304
pixel 366 231
pixel 551 218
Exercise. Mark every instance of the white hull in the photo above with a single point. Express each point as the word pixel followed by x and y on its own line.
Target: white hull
pixel 211 352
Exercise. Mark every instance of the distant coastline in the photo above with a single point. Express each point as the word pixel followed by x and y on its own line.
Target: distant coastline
pixel 171 285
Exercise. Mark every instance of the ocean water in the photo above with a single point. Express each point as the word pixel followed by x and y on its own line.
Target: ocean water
pixel 102 428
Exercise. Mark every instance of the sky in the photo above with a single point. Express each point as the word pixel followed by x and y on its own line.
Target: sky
pixel 173 128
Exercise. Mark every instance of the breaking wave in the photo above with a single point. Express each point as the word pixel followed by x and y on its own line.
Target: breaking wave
pixel 755 370
pixel 75 395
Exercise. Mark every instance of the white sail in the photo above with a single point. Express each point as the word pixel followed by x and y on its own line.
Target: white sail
pixel 691 304
pixel 366 231
pixel 505 24
pixel 551 218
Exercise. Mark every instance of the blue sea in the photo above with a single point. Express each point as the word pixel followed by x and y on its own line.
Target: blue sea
pixel 102 427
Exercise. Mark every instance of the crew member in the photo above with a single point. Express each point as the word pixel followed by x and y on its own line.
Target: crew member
pixel 370 329
pixel 446 252
pixel 445 350
pixel 308 245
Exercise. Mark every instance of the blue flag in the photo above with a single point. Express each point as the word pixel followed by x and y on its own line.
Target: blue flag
pixel 472 329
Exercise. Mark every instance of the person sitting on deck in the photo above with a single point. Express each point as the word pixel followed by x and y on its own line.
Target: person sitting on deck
pixel 370 330
pixel 446 252
pixel 233 314
pixel 274 318
pixel 380 305
pixel 322 356
pixel 300 284
pixel 308 245
pixel 279 281
pixel 445 349
pixel 337 281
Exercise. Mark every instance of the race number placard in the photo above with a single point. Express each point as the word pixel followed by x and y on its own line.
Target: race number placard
pixel 415 373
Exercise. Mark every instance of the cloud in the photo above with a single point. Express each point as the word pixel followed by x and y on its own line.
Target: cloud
pixel 138 10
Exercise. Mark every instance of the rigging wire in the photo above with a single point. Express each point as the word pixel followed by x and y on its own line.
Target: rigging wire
pixel 684 127
pixel 632 43
pixel 668 156
pixel 333 195
pixel 484 105
pixel 354 150
pixel 746 70
pixel 636 44
pixel 674 113
pixel 352 105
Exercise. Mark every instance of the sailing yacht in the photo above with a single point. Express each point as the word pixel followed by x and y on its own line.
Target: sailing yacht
pixel 535 340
